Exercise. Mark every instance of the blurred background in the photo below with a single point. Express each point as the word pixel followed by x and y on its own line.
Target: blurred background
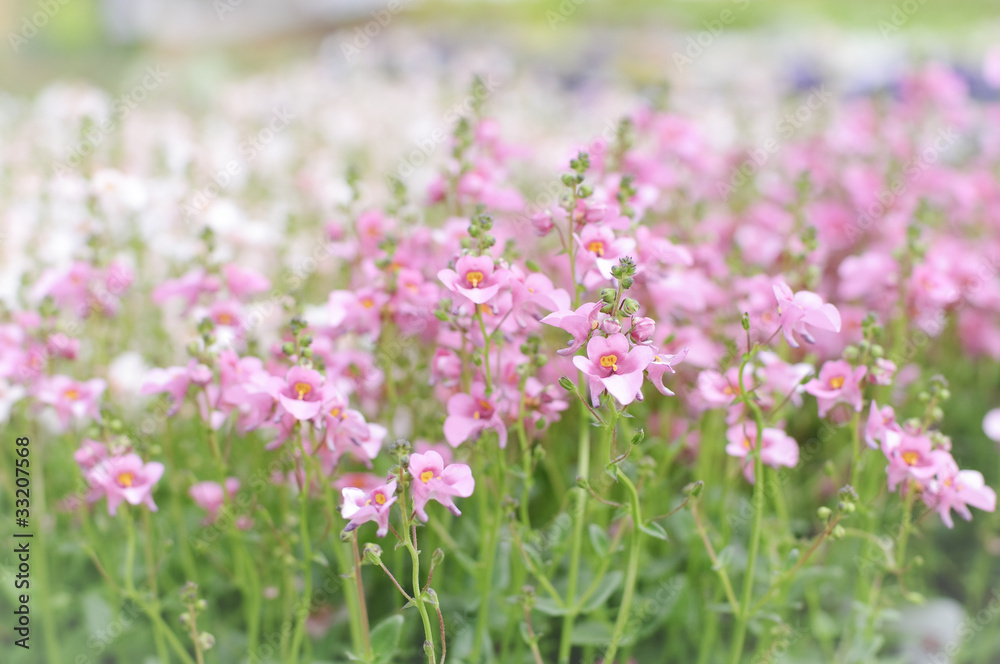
pixel 102 40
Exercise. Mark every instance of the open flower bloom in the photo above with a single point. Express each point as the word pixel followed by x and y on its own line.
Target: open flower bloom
pixel 73 399
pixel 661 364
pixel 432 480
pixel 470 415
pixel 611 366
pixel 362 506
pixel 301 395
pixel 599 248
pixel 802 311
pixel 912 457
pixel 475 278
pixel 955 489
pixel 837 383
pixel 579 323
pixel 881 426
pixel 347 430
pixel 126 478
pixel 779 449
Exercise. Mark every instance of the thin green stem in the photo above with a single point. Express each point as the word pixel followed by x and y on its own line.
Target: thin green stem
pixel 161 650
pixel 418 598
pixel 631 574
pixel 579 516
pixel 758 519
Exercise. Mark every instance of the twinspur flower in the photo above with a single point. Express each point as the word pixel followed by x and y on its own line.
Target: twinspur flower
pixel 433 480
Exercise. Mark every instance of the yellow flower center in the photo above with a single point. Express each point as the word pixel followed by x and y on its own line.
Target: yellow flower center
pixel 610 362
pixel 910 458
pixel 72 394
pixel 302 389
pixel 596 247
pixel 746 443
pixel 837 382
pixel 367 303
pixel 426 476
pixel 380 498
pixel 225 319
pixel 474 278
pixel 335 412
pixel 126 479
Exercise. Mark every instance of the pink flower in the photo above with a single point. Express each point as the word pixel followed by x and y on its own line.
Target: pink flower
pixel 802 311
pixel 469 416
pixel 601 249
pixel 90 454
pixel 579 323
pixel 210 496
pixel 659 365
pixel 955 489
pixel 837 383
pixel 881 430
pixel 475 278
pixel 911 457
pixel 347 430
pixel 243 282
pixel 189 287
pixel 611 366
pixel 642 330
pixel 432 480
pixel 363 506
pixel 883 371
pixel 301 395
pixel 72 399
pixel 126 478
pixel 779 448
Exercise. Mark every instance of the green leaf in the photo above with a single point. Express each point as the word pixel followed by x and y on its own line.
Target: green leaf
pixel 591 633
pixel 599 540
pixel 654 529
pixel 607 586
pixel 549 607
pixel 385 638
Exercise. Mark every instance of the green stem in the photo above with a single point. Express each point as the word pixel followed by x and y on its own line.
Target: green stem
pixel 579 514
pixel 489 556
pixel 758 520
pixel 161 649
pixel 631 574
pixel 42 571
pixel 303 612
pixel 418 599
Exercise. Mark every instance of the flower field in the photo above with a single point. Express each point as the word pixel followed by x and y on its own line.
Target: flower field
pixel 392 356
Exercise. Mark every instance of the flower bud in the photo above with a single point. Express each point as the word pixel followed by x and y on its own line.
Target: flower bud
pixel 437 557
pixel 206 641
pixel 643 329
pixel 745 321
pixel 824 513
pixel 608 295
pixel 373 554
pixel 629 306
pixel 611 326
pixel 567 384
